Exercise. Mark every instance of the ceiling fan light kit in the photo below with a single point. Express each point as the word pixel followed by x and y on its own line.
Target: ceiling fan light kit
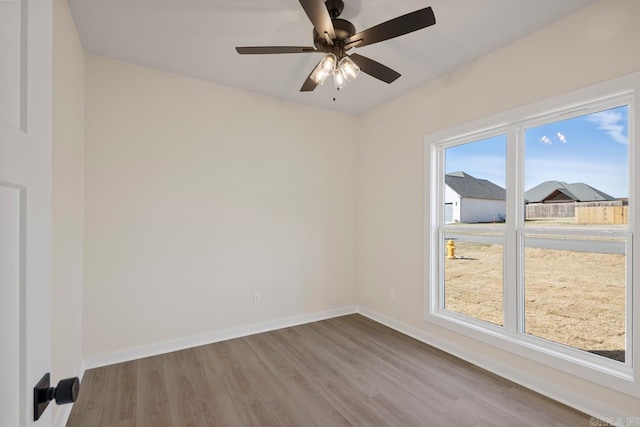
pixel 334 37
pixel 342 72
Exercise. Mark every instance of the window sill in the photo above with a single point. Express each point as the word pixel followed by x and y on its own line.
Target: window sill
pixel 593 368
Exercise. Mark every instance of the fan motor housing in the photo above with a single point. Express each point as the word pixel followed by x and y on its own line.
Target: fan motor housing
pixel 343 29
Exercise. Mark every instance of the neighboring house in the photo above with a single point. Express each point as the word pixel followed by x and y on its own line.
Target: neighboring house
pixel 471 200
pixel 561 192
pixel 556 199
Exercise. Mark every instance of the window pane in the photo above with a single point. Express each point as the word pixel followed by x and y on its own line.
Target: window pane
pixel 475 182
pixel 575 292
pixel 473 275
pixel 576 171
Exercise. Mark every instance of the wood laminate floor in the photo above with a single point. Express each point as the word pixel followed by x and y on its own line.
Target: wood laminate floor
pixel 346 371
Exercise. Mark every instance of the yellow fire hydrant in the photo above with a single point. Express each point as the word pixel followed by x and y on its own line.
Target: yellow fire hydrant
pixel 451 249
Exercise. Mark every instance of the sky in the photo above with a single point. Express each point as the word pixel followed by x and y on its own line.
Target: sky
pixel 592 149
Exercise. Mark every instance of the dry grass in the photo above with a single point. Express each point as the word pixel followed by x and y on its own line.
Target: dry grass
pixel 573 298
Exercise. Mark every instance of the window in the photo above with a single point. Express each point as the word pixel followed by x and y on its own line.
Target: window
pixel 472 287
pixel 530 236
pixel 576 229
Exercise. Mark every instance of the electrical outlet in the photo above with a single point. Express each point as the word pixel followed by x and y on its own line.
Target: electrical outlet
pixel 392 293
pixel 257 298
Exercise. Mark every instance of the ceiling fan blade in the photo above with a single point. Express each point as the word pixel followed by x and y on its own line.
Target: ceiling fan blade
pixel 266 50
pixel 375 69
pixel 319 17
pixel 309 85
pixel 399 26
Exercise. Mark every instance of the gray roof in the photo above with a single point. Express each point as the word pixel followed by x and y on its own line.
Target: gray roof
pixel 579 192
pixel 470 187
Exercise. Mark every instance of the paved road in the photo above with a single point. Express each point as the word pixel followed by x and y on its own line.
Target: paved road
pixel 597 246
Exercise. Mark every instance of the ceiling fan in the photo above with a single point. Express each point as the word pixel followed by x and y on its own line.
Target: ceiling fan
pixel 335 36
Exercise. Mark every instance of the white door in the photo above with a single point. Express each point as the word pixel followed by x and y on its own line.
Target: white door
pixel 25 206
pixel 448 213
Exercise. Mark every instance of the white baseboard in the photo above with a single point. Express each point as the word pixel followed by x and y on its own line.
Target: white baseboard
pixel 204 339
pixel 65 410
pixel 588 406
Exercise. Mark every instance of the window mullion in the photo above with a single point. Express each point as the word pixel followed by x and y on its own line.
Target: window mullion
pixel 510 236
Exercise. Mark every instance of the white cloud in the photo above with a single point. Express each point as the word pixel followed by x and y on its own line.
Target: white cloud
pixel 610 122
pixel 559 137
pixel 562 138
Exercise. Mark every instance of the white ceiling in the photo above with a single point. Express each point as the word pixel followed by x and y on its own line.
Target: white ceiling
pixel 197 38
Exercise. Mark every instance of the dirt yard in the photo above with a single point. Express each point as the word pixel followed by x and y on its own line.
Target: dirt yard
pixel 573 298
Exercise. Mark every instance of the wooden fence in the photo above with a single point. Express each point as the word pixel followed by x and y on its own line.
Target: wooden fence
pixel 550 210
pixel 602 215
pixel 605 212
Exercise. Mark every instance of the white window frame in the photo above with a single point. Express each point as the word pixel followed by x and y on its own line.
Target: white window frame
pixel 623 377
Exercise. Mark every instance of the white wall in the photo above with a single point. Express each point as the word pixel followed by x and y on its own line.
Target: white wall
pixel 199 195
pixel 481 210
pixel 469 210
pixel 595 44
pixel 68 195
